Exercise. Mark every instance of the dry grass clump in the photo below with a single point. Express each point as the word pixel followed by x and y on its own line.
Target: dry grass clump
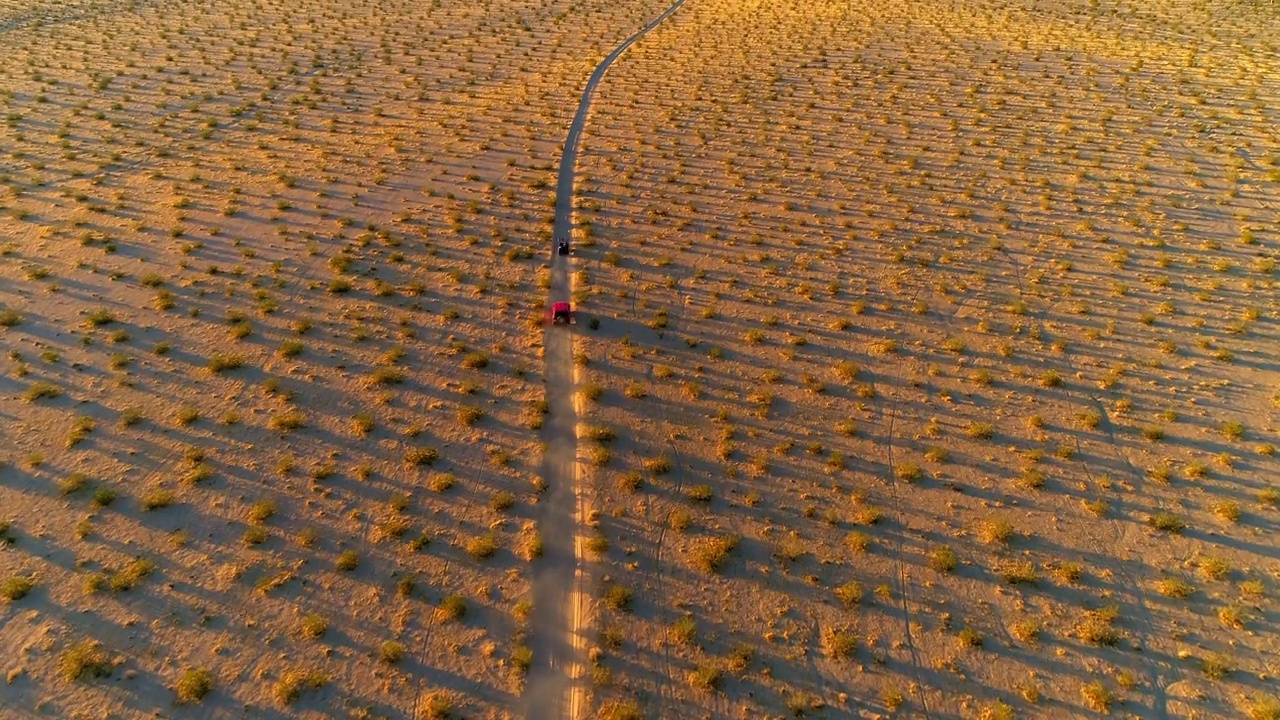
pixel 293 683
pixel 15 587
pixel 86 659
pixel 194 685
pixel 710 554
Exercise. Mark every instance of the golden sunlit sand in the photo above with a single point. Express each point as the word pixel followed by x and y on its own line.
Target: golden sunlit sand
pixel 926 357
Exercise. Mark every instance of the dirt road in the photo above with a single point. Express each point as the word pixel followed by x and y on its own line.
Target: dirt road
pixel 556 688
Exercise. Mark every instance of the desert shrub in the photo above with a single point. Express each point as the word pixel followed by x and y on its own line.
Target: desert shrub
pixel 452 607
pixel 790 549
pixel 293 683
pixel 630 482
pixel 223 362
pixel 994 531
pixel 909 472
pixel 841 644
pixel 15 587
pixel 414 457
pixel 620 710
pixel 73 483
pixel 262 510
pixel 659 465
pixel 287 421
pixel 254 535
pixel 1066 572
pixel 522 658
pixel 618 597
pixel 1031 479
pixel 391 652
pixel 349 560
pixel 1269 497
pixel 683 631
pixel 942 559
pixel 157 498
pixel 1227 510
pixel 1263 708
pixel 314 626
pixel 969 638
pixel 980 430
pixel 1097 627
pixel 437 706
pixel 847 371
pixel 867 515
pixel 699 493
pixel 1232 616
pixel 1017 572
pixel 1232 430
pixel 597 544
pixel 99 317
pixel 598 455
pixel 1216 666
pixel 502 501
pixel 469 415
pixel 998 710
pixel 857 541
pixel 194 685
pixel 441 482
pixel 1167 522
pixel 1097 697
pixel 482 547
pixel 186 415
pixel 386 376
pixel 850 593
pixel 84 659
pixel 706 676
pixel 598 433
pixel 131 575
pixel 41 391
pixel 710 554
pixel 1213 567
pixel 1026 630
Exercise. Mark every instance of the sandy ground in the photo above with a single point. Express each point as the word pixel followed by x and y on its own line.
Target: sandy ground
pixel 922 327
pixel 351 202
pixel 881 282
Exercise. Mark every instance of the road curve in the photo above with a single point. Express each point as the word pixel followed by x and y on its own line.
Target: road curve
pixel 555 688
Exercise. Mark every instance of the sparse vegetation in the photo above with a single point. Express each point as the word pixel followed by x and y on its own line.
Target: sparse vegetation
pixel 924 320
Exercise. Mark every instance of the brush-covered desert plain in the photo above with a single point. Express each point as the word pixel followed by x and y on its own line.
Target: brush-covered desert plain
pixel 927 356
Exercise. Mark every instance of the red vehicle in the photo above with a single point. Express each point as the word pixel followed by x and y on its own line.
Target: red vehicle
pixel 561 313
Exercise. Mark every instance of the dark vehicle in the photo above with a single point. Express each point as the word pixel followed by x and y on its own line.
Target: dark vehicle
pixel 562 246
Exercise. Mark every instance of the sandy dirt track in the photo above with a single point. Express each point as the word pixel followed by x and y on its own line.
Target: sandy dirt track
pixel 558 623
